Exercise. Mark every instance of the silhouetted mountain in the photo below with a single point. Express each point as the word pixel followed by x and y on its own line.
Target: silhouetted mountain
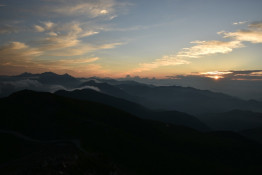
pixel 233 120
pixel 184 99
pixel 52 78
pixel 187 100
pixel 109 89
pixel 173 117
pixel 47 82
pixel 138 146
pixel 112 81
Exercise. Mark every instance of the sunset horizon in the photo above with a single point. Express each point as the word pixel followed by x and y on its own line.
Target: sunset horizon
pixel 130 87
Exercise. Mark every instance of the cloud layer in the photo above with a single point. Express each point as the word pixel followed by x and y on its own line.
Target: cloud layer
pixel 62 42
pixel 206 48
pixel 253 34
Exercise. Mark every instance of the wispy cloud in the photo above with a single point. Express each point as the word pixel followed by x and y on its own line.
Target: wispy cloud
pixel 233 74
pixel 91 9
pixel 253 34
pixel 66 39
pixel 216 74
pixel 39 28
pixel 62 29
pixel 75 62
pixel 206 48
pixel 203 48
pixel 168 60
pixel 240 22
pixel 17 52
pixel 80 49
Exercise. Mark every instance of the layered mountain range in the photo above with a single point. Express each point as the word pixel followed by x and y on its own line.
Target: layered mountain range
pixel 103 126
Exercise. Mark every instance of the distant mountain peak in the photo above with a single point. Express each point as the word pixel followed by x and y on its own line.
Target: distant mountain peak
pixel 48 73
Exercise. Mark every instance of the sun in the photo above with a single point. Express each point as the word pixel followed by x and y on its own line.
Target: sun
pixel 216 77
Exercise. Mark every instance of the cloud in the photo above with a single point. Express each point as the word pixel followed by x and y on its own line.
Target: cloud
pixel 168 60
pixel 3 5
pixel 80 49
pixel 39 28
pixel 216 74
pixel 240 22
pixel 89 33
pixel 48 25
pixel 203 48
pixel 20 84
pixel 68 63
pixel 86 87
pixel 207 48
pixel 52 34
pixel 63 37
pixel 79 61
pixel 91 8
pixel 54 88
pixel 59 42
pixel 63 28
pixel 253 34
pixel 233 74
pixel 17 52
pixel 8 87
pixel 69 38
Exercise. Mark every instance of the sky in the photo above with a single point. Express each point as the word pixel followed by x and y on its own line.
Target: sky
pixel 116 38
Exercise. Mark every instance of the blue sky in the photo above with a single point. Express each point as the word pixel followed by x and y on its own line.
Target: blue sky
pixel 114 38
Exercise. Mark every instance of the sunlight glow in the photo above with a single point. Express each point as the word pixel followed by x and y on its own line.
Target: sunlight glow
pixel 215 74
pixel 216 77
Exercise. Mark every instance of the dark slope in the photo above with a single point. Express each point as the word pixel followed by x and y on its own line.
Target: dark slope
pixel 233 120
pixel 255 133
pixel 173 117
pixel 20 155
pixel 13 147
pixel 139 146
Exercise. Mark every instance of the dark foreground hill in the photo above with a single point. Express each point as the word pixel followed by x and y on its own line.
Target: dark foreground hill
pixel 21 155
pixel 173 117
pixel 135 145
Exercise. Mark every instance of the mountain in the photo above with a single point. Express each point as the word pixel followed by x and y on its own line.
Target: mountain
pixel 236 120
pixel 109 89
pixel 167 98
pixel 47 82
pixel 173 117
pixel 51 78
pixel 186 99
pixel 135 145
